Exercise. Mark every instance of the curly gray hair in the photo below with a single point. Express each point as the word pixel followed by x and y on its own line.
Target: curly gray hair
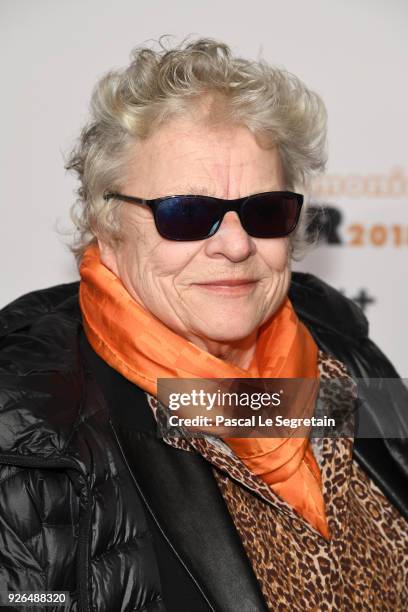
pixel 128 104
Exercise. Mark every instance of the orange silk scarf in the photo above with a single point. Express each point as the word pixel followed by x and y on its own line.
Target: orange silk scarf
pixel 136 344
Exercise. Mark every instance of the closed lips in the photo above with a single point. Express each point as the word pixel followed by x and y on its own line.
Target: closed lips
pixel 229 283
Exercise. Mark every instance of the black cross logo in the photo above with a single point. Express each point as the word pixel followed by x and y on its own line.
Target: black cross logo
pixel 362 299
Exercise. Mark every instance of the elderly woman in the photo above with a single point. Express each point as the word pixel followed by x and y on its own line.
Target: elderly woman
pixel 192 172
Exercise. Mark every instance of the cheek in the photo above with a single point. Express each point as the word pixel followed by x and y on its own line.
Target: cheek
pixel 275 254
pixel 153 262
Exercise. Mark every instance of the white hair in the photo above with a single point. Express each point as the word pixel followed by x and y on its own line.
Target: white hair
pixel 128 104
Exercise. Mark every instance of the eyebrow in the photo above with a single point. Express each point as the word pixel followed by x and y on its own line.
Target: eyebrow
pixel 193 190
pixel 204 191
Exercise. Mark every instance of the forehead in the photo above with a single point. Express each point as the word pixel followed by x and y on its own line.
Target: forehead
pixel 187 157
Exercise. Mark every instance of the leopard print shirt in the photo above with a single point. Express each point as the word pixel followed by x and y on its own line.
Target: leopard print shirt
pixel 364 565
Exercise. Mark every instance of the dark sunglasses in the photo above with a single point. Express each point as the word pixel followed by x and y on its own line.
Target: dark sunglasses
pixel 273 214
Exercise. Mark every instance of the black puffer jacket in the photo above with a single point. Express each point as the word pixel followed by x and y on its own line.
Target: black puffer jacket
pixel 93 503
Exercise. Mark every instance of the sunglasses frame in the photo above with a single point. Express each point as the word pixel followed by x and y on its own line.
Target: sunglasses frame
pixel 225 206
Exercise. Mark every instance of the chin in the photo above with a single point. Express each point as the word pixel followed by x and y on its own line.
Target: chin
pixel 227 331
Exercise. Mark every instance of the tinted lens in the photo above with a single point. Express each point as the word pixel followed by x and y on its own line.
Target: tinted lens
pixel 270 215
pixel 184 218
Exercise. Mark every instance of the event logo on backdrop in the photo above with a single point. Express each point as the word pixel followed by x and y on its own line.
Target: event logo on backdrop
pixel 331 187
pixel 365 217
pixel 327 220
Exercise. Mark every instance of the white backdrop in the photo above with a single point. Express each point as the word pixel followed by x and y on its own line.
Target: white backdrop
pixel 353 53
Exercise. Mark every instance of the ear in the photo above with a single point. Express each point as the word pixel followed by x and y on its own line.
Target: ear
pixel 108 256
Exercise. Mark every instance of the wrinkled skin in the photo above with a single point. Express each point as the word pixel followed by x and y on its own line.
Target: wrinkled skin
pixel 169 278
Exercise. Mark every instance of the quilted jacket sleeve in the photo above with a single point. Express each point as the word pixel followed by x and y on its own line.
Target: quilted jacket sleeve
pixel 33 532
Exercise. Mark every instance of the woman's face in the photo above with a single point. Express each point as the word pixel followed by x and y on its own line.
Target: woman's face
pixel 175 280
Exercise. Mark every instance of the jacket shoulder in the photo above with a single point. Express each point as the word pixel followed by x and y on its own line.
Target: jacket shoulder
pixel 322 306
pixel 338 326
pixel 22 311
pixel 38 331
pixel 41 377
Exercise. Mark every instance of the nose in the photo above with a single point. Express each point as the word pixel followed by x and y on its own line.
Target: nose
pixel 230 240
